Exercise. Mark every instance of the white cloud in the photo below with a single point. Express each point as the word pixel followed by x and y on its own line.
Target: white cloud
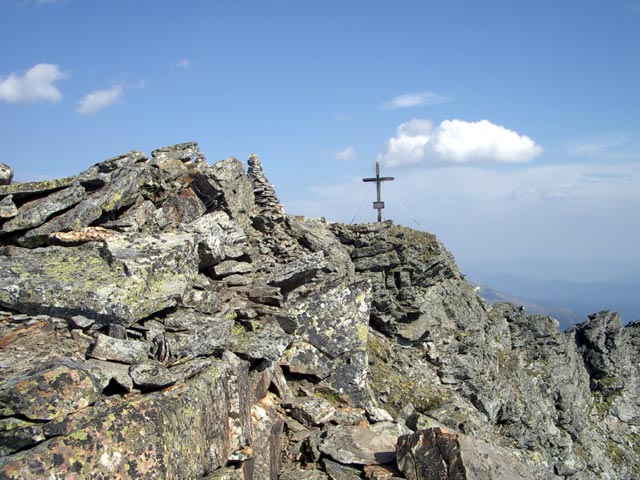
pixel 346 154
pixel 184 63
pixel 457 141
pixel 34 86
pixel 100 99
pixel 417 99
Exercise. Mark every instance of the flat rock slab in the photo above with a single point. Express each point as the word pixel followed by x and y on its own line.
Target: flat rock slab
pixel 334 322
pixel 436 453
pixel 363 445
pixel 36 212
pixel 29 189
pixel 181 432
pixel 151 375
pixel 119 350
pixel 48 394
pixel 127 278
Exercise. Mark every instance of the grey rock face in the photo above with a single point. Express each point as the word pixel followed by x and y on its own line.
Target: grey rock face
pixel 119 350
pixel 8 209
pixel 435 454
pixel 124 280
pixel 6 174
pixel 36 212
pixel 363 445
pixel 166 319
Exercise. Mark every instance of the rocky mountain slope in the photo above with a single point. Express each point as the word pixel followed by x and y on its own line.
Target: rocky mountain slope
pixel 164 318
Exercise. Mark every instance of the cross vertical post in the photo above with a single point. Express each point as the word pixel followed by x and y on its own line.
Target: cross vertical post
pixel 378 204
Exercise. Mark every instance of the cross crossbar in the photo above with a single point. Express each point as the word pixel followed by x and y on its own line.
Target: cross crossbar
pixel 378 204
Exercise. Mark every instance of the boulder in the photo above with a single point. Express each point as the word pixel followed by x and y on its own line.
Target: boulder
pixel 178 433
pixel 334 321
pixel 435 453
pixel 36 212
pixel 8 209
pixel 360 445
pixel 6 174
pixel 127 278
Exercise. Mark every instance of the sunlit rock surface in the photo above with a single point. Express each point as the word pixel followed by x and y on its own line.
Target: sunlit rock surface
pixel 165 318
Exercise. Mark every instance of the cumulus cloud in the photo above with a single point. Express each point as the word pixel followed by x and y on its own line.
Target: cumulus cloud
pixel 100 99
pixel 417 99
pixel 457 141
pixel 36 85
pixel 346 154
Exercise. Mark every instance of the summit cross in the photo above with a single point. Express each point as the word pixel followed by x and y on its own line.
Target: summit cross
pixel 379 204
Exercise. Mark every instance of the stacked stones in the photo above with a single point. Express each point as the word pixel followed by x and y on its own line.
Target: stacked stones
pixel 270 209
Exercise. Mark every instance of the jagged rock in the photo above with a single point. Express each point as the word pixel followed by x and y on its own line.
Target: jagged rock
pixel 336 471
pixel 122 191
pixel 6 174
pixel 297 272
pixel 601 342
pixel 78 237
pixel 184 152
pixel 134 219
pixel 196 335
pixel 24 190
pixel 123 280
pixel 8 209
pixel 334 320
pixel 265 339
pixel 225 473
pixel 36 212
pixel 300 474
pixel 101 173
pixel 311 411
pixel 177 433
pixel 49 393
pixel 361 323
pixel 183 208
pixel 151 375
pixel 118 350
pixel 363 445
pixel 436 453
pixel 267 426
pixel 315 234
pixel 231 267
pixel 218 237
pixel 114 377
pixel 16 434
pixel 224 185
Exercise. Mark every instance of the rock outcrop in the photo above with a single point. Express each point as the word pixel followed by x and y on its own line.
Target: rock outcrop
pixel 165 318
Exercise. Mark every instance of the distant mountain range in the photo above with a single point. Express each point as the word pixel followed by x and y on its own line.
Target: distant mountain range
pixel 569 302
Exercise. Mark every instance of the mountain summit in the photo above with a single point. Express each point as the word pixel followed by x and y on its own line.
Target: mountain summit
pixel 165 318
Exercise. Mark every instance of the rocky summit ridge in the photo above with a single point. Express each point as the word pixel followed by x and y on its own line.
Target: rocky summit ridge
pixel 165 318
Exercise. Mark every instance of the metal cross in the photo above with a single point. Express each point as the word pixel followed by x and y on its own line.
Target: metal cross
pixel 378 205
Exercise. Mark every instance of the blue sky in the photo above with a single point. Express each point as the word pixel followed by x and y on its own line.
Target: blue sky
pixel 512 127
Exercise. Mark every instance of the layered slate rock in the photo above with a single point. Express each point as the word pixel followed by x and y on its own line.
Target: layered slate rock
pixel 179 434
pixel 434 454
pixel 332 330
pixel 172 321
pixel 120 281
